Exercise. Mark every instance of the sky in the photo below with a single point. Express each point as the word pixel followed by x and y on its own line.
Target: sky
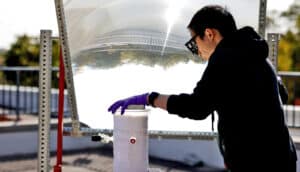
pixel 19 17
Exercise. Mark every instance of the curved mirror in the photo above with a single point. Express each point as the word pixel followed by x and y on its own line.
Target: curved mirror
pixel 121 48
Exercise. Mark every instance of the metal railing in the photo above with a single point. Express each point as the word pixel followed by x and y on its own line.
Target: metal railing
pixel 291 81
pixel 19 93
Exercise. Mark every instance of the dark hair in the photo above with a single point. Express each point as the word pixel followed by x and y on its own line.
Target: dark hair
pixel 213 16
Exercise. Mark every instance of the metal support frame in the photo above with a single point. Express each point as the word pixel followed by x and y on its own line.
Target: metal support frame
pixel 63 37
pixel 44 100
pixel 262 21
pixel 273 41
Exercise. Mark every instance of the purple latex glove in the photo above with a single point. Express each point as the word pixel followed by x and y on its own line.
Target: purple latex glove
pixel 135 100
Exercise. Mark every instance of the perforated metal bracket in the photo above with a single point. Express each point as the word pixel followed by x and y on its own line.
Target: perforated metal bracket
pixel 182 135
pixel 63 37
pixel 262 18
pixel 273 41
pixel 44 100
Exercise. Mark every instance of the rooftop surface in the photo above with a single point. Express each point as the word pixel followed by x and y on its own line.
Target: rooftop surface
pixel 92 160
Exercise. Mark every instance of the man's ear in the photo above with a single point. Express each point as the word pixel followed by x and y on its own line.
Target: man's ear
pixel 209 33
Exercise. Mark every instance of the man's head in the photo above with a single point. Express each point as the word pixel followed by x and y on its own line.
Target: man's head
pixel 208 27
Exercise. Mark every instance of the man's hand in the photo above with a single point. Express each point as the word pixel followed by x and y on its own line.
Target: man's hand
pixel 135 100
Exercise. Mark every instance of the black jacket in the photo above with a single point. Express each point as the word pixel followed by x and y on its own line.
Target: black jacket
pixel 240 84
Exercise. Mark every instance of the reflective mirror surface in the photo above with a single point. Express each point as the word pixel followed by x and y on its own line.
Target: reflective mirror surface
pixel 121 48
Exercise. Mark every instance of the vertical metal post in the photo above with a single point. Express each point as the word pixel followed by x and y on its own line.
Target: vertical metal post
pixel 10 99
pixel 273 41
pixel 63 37
pixel 31 109
pixel 25 99
pixel 3 97
pixel 18 94
pixel 294 106
pixel 262 18
pixel 44 100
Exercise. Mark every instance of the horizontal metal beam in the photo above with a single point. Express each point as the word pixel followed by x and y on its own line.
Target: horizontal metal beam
pixel 182 135
pixel 22 68
pixel 289 74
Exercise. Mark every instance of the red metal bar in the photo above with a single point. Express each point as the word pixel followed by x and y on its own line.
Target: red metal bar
pixel 57 167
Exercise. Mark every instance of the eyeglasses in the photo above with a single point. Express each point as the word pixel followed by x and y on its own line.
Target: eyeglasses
pixel 192 45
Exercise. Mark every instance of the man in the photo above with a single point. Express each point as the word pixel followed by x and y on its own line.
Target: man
pixel 239 84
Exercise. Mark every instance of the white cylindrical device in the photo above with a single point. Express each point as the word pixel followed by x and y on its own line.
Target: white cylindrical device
pixel 130 145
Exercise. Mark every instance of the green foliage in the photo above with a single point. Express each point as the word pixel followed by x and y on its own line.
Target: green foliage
pixel 284 55
pixel 298 23
pixel 296 57
pixel 289 51
pixel 25 52
pixel 292 12
pixel 55 53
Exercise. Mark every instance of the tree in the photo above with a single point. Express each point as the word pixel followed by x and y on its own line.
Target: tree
pixel 25 52
pixel 2 52
pixel 289 50
pixel 285 61
pixel 293 12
